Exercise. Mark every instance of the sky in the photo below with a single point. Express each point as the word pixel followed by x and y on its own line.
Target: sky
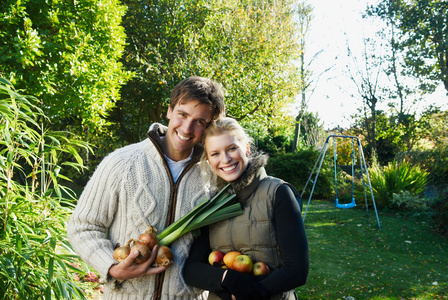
pixel 335 25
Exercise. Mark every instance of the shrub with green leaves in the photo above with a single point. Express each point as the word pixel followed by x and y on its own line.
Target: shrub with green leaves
pixel 395 178
pixel 405 200
pixel 439 213
pixel 434 161
pixel 296 167
pixel 36 260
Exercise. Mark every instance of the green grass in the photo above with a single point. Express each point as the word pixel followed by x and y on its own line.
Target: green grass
pixel 351 256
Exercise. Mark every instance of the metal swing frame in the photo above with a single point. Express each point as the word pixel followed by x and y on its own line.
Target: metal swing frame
pixel 362 163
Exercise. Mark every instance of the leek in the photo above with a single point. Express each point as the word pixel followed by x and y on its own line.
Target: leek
pixel 222 206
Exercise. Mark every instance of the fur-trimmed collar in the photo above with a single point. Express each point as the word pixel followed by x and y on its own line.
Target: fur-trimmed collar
pixel 252 171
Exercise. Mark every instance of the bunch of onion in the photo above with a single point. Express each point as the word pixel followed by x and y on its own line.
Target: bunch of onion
pixel 222 206
pixel 145 245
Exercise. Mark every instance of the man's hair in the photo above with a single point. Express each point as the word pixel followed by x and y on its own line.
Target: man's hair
pixel 201 89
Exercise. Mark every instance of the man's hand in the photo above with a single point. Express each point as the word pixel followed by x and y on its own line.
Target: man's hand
pixel 128 269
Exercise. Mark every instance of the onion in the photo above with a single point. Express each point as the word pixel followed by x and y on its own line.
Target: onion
pixel 164 256
pixel 149 237
pixel 143 252
pixel 120 253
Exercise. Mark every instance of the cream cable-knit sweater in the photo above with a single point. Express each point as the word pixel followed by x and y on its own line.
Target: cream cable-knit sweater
pixel 130 190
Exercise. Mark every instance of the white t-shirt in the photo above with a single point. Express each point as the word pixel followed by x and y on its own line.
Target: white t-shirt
pixel 176 167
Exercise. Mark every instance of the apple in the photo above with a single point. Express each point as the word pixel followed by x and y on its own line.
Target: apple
pixel 242 264
pixel 260 268
pixel 216 256
pixel 229 257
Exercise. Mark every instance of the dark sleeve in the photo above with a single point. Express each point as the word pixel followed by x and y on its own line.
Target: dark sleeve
pixel 197 270
pixel 292 242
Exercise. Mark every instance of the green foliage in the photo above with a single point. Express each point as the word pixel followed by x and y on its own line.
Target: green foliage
pixel 345 151
pixel 311 130
pixel 407 132
pixel 434 161
pixel 274 144
pixel 296 167
pixel 400 132
pixel 405 200
pixel 66 53
pixel 439 212
pixel 248 46
pixel 438 120
pixel 422 37
pixel 36 260
pixel 159 55
pixel 396 178
pixel 397 133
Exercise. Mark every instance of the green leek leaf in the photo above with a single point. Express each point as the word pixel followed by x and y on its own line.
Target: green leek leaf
pixel 220 207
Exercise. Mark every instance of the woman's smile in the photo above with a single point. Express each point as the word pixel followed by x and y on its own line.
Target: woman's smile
pixel 227 156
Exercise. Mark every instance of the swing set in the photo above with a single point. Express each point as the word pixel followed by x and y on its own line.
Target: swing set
pixel 363 167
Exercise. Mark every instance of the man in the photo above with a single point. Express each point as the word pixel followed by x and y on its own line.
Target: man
pixel 153 182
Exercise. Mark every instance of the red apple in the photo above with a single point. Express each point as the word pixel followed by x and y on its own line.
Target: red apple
pixel 242 264
pixel 229 257
pixel 216 256
pixel 260 268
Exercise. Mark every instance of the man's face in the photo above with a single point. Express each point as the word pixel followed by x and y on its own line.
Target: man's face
pixel 187 123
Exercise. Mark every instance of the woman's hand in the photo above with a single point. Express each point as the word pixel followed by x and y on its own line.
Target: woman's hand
pixel 128 269
pixel 243 286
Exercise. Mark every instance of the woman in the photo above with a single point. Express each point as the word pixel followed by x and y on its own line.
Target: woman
pixel 269 230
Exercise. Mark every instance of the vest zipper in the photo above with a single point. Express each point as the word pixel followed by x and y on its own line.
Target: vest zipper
pixel 231 224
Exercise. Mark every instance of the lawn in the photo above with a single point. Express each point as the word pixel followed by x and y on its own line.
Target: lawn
pixel 351 257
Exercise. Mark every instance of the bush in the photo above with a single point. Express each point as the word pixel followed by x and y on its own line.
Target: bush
pixel 296 167
pixel 405 200
pixel 439 210
pixel 434 161
pixel 36 260
pixel 396 178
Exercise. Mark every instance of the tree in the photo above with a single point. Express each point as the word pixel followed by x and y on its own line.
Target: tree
pixel 65 53
pixel 438 121
pixel 157 52
pixel 366 77
pixel 311 132
pixel 402 129
pixel 305 18
pixel 248 46
pixel 423 37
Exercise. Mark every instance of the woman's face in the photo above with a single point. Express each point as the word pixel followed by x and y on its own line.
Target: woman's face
pixel 227 156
